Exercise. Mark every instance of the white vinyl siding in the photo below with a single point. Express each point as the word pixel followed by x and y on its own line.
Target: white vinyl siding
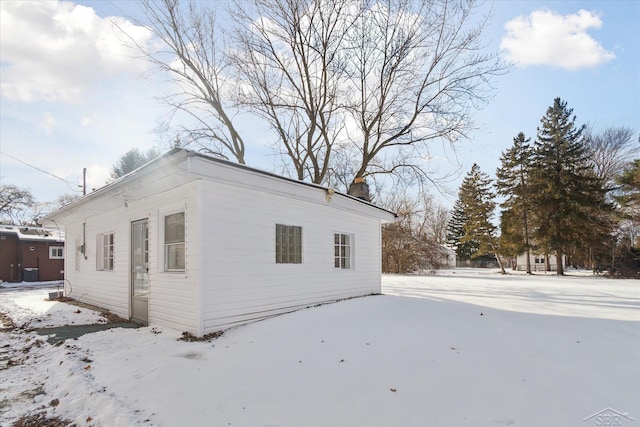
pixel 230 275
pixel 253 286
pixel 76 259
pixel 173 298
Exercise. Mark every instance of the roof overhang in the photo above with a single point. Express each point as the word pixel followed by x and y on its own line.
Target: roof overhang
pixel 179 166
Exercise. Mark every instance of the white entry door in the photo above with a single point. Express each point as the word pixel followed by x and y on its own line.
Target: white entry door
pixel 140 271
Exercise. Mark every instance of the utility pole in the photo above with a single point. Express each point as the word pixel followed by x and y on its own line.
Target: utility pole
pixel 84 181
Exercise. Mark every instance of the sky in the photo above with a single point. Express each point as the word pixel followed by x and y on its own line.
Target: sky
pixel 73 96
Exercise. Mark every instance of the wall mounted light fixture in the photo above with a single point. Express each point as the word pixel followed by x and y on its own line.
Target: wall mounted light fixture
pixel 330 192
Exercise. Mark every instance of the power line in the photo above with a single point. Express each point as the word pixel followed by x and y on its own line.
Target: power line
pixel 69 183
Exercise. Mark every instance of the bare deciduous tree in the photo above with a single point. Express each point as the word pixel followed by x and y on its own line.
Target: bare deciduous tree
pixel 377 81
pixel 16 205
pixel 63 200
pixel 415 240
pixel 610 151
pixel 437 217
pixel 289 54
pixel 193 54
pixel 416 69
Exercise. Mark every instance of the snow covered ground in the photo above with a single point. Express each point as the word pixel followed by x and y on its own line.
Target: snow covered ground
pixel 461 348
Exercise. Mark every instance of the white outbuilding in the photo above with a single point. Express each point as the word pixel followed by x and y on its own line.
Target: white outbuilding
pixel 200 244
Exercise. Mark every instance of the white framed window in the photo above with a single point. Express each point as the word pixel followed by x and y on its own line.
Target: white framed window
pixel 174 238
pixel 56 252
pixel 105 251
pixel 343 251
pixel 288 244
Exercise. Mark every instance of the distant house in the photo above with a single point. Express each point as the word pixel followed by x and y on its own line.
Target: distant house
pixel 483 261
pixel 30 254
pixel 449 257
pixel 200 244
pixel 538 262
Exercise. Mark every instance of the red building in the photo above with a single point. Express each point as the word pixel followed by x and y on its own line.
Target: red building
pixel 30 254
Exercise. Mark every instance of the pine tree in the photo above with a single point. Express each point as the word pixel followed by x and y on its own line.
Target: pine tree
pixel 476 199
pixel 568 197
pixel 629 181
pixel 512 182
pixel 455 232
pixel 131 161
pixel 511 235
pixel 628 198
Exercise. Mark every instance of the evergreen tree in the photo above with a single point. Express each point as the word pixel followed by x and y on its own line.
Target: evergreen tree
pixel 568 197
pixel 512 182
pixel 629 181
pixel 455 232
pixel 628 199
pixel 511 235
pixel 131 161
pixel 476 199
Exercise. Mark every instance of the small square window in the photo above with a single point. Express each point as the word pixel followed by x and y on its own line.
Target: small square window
pixel 56 252
pixel 288 244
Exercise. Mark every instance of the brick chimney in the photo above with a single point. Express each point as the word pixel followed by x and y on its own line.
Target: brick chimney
pixel 359 189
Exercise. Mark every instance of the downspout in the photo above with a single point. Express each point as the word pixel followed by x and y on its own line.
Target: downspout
pixel 380 252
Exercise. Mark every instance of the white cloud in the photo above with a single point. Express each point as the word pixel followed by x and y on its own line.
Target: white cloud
pixel 547 38
pixel 56 50
pixel 97 176
pixel 48 122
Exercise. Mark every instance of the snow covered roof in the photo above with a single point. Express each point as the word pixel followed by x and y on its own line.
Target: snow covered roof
pixel 33 233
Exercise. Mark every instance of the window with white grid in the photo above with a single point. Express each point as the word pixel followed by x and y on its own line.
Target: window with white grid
pixel 343 251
